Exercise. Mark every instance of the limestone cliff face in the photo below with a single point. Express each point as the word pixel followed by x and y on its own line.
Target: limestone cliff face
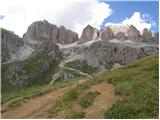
pixel 119 32
pixel 133 34
pixel 65 36
pixel 106 34
pixel 89 33
pixel 43 31
pixel 102 53
pixel 10 44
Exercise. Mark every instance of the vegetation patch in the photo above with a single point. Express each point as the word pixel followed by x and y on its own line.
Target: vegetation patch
pixel 88 99
pixel 71 95
pixel 30 72
pixel 82 66
pixel 17 96
pixel 76 115
pixel 139 82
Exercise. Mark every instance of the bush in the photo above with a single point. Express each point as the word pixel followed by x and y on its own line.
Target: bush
pixel 71 95
pixel 88 99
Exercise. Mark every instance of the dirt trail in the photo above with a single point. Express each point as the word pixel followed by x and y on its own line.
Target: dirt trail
pixel 102 101
pixel 37 107
pixel 62 66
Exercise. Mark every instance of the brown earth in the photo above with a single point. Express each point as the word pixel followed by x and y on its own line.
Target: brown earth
pixel 38 107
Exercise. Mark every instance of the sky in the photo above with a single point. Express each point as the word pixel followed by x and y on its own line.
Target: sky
pixel 17 15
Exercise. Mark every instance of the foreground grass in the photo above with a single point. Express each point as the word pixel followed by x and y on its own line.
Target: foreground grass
pixel 75 96
pixel 139 82
pixel 88 99
pixel 15 96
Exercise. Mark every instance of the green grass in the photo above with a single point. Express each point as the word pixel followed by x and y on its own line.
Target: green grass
pixel 139 82
pixel 88 99
pixel 31 72
pixel 71 95
pixel 65 103
pixel 76 115
pixel 82 66
pixel 16 96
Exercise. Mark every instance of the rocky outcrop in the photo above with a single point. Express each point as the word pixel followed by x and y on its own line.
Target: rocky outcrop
pixel 147 37
pixel 10 44
pixel 119 28
pixel 66 36
pixel 156 37
pixel 32 71
pixel 103 53
pixel 120 36
pixel 42 31
pixel 133 34
pixel 106 34
pixel 89 33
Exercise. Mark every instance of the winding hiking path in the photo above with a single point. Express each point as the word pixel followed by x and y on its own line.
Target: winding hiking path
pixel 37 107
pixel 102 101
pixel 62 67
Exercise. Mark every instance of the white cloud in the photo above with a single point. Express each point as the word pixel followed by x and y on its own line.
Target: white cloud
pixel 138 20
pixel 74 15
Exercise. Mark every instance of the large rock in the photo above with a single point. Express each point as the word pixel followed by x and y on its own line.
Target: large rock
pixel 147 37
pixel 66 36
pixel 104 53
pixel 134 34
pixel 106 34
pixel 156 37
pixel 42 31
pixel 10 44
pixel 89 33
pixel 120 36
pixel 119 28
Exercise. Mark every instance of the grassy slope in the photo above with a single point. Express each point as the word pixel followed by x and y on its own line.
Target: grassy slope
pixel 30 66
pixel 139 82
pixel 25 93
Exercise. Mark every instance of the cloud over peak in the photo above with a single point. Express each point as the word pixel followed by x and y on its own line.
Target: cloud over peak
pixel 19 14
pixel 140 21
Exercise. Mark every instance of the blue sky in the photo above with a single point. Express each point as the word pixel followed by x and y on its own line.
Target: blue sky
pixel 124 9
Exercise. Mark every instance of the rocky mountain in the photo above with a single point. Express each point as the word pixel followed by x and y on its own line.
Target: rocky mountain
pixel 120 32
pixel 106 34
pixel 37 57
pixel 89 33
pixel 41 31
pixel 10 44
pixel 104 53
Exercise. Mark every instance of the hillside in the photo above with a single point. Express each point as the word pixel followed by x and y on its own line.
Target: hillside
pixel 130 91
